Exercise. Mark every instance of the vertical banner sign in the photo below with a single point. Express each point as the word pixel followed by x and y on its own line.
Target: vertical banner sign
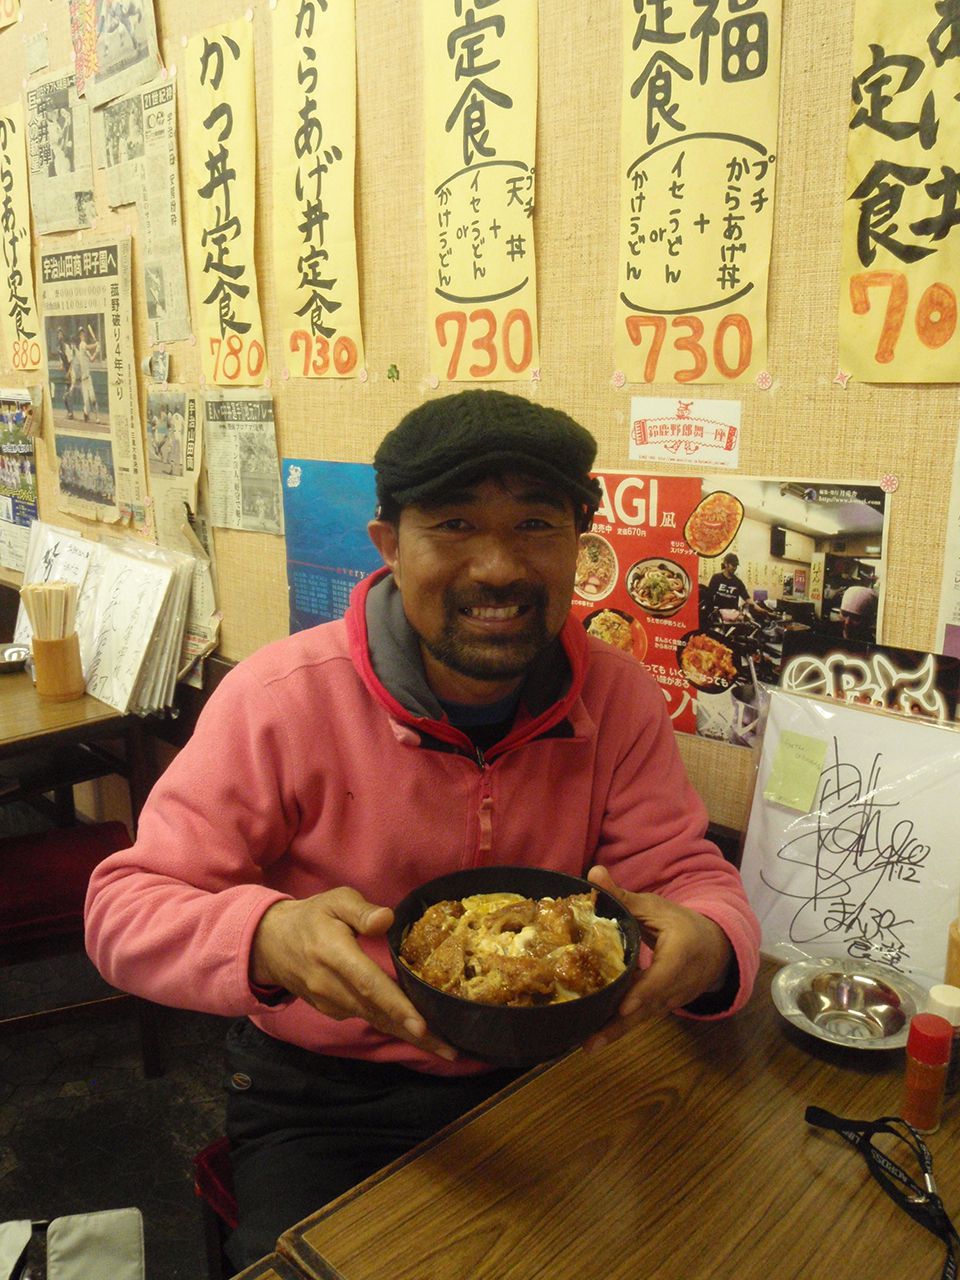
pixel 699 114
pixel 18 306
pixel 480 101
pixel 220 204
pixel 901 243
pixel 314 161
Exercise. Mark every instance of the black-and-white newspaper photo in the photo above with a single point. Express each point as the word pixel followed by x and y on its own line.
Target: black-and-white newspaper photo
pixel 243 470
pixel 126 51
pixel 92 384
pixel 136 142
pixel 59 155
pixel 174 431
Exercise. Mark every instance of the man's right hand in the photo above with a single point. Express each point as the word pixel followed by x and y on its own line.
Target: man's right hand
pixel 308 946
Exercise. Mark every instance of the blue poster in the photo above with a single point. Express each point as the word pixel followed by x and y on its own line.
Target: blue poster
pixel 326 506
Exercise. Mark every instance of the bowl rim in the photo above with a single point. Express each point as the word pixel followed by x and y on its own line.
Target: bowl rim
pixel 626 922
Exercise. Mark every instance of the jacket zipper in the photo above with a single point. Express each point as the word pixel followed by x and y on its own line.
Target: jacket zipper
pixel 484 811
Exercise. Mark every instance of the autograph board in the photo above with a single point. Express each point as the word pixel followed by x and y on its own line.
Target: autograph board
pixel 870 870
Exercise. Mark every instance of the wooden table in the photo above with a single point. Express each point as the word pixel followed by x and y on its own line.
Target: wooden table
pixel 678 1153
pixel 51 746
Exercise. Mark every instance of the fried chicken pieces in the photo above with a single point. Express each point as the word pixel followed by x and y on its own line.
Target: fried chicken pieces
pixel 500 948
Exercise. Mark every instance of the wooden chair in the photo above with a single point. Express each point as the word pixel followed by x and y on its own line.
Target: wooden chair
pixel 43 883
pixel 213 1184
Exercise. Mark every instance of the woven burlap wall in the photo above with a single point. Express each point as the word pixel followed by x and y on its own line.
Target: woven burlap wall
pixel 805 425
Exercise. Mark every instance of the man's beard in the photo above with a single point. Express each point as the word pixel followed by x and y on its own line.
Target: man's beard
pixel 491 657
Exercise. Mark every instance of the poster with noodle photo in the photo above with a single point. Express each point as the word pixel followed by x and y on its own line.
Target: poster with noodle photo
pixel 704 579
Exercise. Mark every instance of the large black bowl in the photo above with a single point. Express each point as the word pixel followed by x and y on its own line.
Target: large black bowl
pixel 501 1034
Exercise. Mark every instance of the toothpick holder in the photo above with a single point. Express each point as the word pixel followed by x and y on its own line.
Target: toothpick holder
pixel 57 670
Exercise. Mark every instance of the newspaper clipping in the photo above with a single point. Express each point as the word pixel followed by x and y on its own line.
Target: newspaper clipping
pixel 18 473
pixel 115 44
pixel 90 366
pixel 175 463
pixel 243 471
pixel 83 36
pixel 59 158
pixel 137 138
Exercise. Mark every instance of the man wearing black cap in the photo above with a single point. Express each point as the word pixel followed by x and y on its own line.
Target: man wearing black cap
pixel 459 715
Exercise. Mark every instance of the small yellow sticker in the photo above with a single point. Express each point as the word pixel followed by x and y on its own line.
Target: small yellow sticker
pixel 795 772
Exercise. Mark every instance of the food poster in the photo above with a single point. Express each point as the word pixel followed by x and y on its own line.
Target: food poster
pixel 699 115
pixel 314 162
pixel 326 509
pixel 19 319
pixel 220 202
pixel 809 555
pixel 480 114
pixel 636 580
pixel 900 256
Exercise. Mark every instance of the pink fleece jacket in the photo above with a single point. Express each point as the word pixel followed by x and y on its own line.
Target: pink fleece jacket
pixel 305 772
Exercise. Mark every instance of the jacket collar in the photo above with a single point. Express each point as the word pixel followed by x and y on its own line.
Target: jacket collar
pixel 386 652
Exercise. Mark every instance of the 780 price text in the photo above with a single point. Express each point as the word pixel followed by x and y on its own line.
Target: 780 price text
pixel 234 357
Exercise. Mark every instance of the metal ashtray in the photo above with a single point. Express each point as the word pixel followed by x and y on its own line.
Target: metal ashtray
pixel 13 656
pixel 857 1004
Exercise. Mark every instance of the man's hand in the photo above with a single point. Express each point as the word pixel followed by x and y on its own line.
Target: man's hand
pixel 691 955
pixel 309 948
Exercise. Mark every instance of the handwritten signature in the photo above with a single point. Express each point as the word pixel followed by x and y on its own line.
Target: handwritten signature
pixel 861 842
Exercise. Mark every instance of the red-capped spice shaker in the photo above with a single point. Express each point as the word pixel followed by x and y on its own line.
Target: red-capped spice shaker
pixel 929 1042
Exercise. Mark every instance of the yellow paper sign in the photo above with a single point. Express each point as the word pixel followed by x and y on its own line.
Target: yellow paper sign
pixel 314 159
pixel 795 771
pixel 19 321
pixel 699 115
pixel 9 12
pixel 480 102
pixel 901 228
pixel 220 204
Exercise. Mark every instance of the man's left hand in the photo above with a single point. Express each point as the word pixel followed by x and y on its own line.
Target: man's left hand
pixel 691 955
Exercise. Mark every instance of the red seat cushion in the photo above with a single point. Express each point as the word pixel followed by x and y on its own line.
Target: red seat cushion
pixel 213 1180
pixel 43 878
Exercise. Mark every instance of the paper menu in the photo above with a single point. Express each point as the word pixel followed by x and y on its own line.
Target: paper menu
pixel 129 597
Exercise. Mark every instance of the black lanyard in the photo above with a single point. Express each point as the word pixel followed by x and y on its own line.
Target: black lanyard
pixel 921 1201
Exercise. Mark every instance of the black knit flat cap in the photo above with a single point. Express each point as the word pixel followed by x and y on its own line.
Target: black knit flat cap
pixel 453 440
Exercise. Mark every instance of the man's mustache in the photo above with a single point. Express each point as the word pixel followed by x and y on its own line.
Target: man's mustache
pixel 522 593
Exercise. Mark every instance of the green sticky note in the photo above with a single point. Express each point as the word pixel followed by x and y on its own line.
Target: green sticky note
pixel 795 772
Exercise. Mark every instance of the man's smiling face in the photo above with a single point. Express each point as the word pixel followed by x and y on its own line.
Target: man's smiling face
pixel 486 577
